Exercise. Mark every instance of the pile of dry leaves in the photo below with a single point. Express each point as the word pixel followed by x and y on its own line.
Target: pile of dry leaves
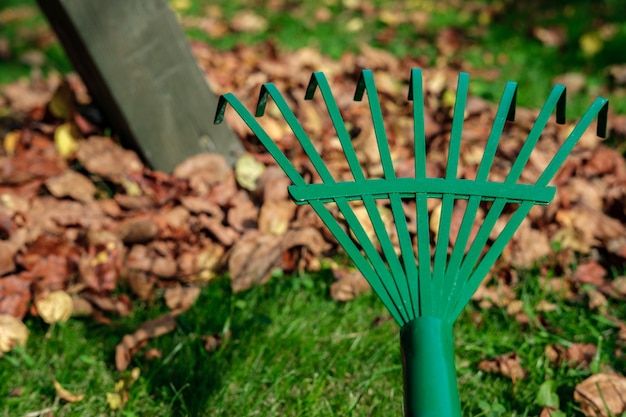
pixel 80 216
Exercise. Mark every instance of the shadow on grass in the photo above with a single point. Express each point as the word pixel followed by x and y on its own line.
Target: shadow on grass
pixel 190 377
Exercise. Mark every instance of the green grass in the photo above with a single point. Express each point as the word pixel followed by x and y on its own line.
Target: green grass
pixel 294 352
pixel 497 44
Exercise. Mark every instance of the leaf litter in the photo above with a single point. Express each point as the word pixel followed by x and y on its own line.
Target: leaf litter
pixel 80 215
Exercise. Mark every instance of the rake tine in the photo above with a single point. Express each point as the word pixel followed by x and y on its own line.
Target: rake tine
pixel 366 84
pixel 409 272
pixel 318 80
pixel 416 89
pixel 447 203
pixel 506 111
pixel 373 255
pixel 599 108
pixel 555 99
pixel 556 96
pixel 473 282
pixel 369 270
pixel 260 133
pixel 421 202
pixel 270 90
pixel 295 177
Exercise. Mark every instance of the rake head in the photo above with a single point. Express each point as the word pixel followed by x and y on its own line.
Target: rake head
pixel 425 290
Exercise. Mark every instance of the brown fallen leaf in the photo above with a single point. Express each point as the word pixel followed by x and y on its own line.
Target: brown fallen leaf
pixel 252 258
pixel 149 330
pixel 103 157
pixel 137 230
pixel 581 354
pixel 348 285
pixel 15 296
pixel 494 295
pixel 71 184
pixel 227 236
pixel 507 365
pixel 120 304
pixel 213 342
pixel 203 171
pixel 201 264
pixel 66 395
pixel 248 21
pixel 181 298
pixel 275 216
pixel 601 395
pixel 590 273
pixel 7 254
pixel 153 353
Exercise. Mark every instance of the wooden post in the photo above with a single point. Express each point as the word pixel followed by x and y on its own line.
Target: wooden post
pixel 137 65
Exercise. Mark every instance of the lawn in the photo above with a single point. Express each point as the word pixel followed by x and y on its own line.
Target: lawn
pixel 287 348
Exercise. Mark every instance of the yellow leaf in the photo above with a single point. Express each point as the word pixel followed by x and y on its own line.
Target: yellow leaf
pixel 11 140
pixel 247 171
pixel 65 394
pixel 120 385
pixel 435 218
pixel 114 400
pixel 62 103
pixel 132 188
pixel 591 43
pixel 66 139
pixel 12 333
pixel 134 375
pixel 55 307
pixel 180 5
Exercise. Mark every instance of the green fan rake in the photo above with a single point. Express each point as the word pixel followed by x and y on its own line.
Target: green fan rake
pixel 425 294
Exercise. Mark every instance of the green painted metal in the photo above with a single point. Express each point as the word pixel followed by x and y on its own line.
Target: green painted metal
pixel 425 293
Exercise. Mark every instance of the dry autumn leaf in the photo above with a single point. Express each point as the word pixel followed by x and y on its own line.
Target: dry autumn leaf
pixel 12 333
pixel 117 399
pixel 601 395
pixel 348 285
pixel 54 307
pixel 66 395
pixel 507 365
pixel 71 184
pixel 149 330
pixel 247 172
pixel 181 298
pixel 66 139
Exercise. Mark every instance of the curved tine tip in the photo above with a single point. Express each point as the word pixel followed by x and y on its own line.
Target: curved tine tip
pixel 603 117
pixel 416 75
pixel 511 115
pixel 222 102
pixel 361 86
pixel 313 83
pixel 561 104
pixel 262 102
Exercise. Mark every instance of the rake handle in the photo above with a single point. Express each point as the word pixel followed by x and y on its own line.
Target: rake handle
pixel 430 384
